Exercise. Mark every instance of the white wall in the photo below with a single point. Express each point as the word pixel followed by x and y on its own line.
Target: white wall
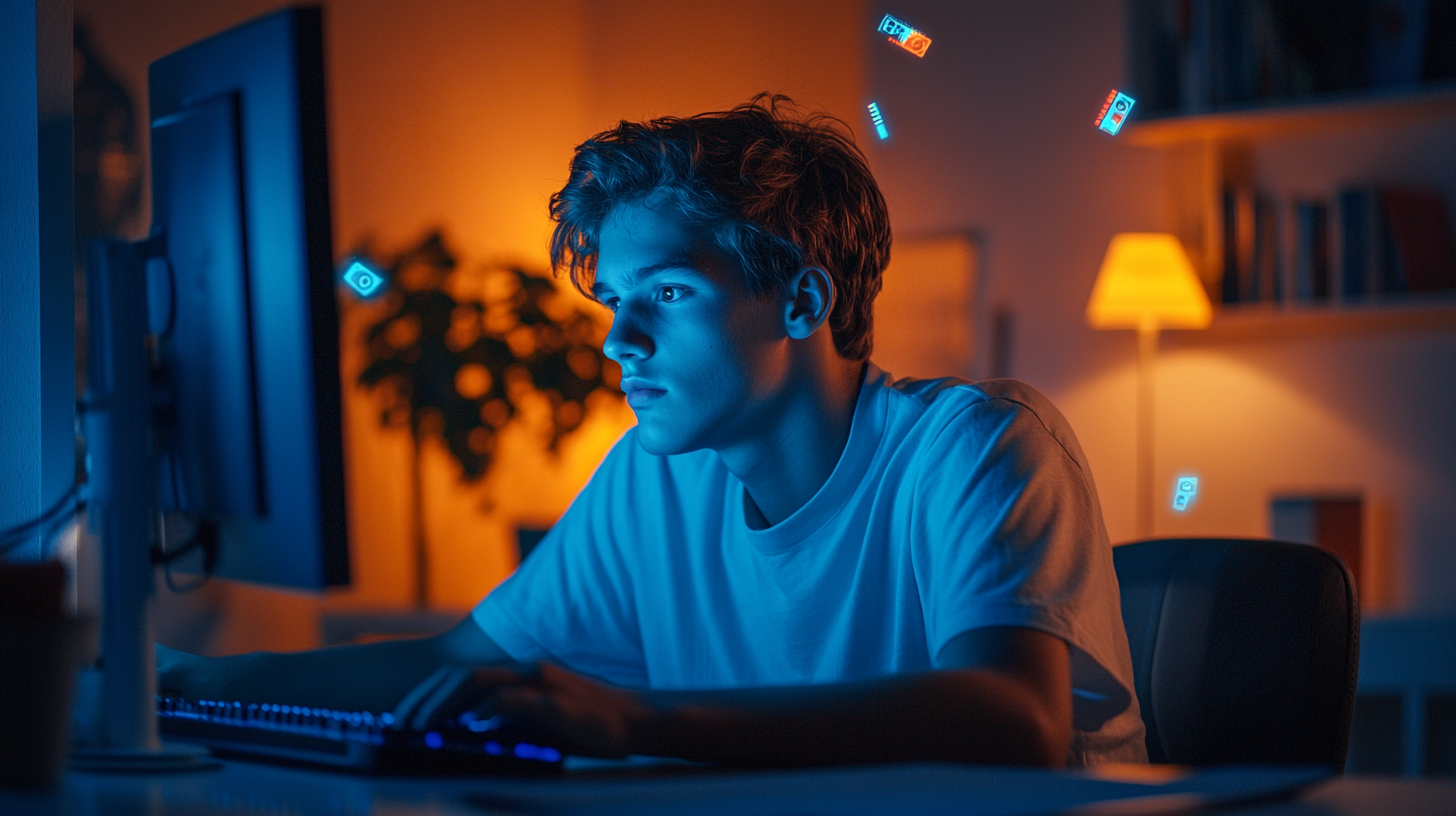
pixel 992 131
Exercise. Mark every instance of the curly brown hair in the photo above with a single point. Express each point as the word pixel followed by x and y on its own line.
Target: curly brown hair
pixel 777 189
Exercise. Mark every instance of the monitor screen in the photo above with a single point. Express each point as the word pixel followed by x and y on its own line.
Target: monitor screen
pixel 244 303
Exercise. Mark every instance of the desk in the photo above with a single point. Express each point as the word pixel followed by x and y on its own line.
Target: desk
pixel 245 788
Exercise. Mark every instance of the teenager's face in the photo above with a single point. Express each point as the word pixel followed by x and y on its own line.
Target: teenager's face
pixel 700 355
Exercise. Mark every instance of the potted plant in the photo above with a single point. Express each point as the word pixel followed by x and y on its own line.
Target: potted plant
pixel 453 361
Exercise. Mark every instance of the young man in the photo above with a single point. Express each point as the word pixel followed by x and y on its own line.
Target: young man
pixel 791 559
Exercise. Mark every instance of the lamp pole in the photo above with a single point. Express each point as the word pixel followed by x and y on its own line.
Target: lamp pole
pixel 1147 359
pixel 1146 282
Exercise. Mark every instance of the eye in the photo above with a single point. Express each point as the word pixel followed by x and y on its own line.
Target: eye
pixel 610 303
pixel 671 293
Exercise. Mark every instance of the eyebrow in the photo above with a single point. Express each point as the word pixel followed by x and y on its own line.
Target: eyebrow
pixel 636 276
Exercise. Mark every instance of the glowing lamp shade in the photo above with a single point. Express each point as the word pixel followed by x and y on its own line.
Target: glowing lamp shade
pixel 1147 282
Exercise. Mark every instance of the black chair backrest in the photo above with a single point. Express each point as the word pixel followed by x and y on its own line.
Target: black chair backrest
pixel 1243 650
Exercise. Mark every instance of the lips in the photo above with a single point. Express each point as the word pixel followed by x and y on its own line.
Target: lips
pixel 641 393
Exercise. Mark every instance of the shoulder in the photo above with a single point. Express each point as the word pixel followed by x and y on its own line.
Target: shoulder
pixel 955 419
pixel 951 401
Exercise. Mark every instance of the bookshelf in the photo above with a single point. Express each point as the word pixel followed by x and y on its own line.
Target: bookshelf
pixel 1300 116
pixel 1233 91
pixel 1260 321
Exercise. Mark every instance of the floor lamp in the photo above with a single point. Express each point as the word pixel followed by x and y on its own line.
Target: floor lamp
pixel 1147 283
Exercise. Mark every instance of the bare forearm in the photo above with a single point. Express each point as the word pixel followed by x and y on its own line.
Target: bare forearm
pixel 368 677
pixel 962 716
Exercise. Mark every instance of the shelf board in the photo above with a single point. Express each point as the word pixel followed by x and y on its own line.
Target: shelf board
pixel 1270 322
pixel 1430 102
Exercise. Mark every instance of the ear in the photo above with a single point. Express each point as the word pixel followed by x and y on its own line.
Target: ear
pixel 809 301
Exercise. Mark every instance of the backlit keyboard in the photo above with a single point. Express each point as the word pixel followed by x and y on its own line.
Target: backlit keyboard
pixel 348 740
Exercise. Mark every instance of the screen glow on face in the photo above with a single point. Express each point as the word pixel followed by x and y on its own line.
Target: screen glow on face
pixel 364 281
pixel 879 121
pixel 905 36
pixel 1114 112
pixel 1183 492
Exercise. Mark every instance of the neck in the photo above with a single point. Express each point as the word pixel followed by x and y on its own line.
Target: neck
pixel 804 431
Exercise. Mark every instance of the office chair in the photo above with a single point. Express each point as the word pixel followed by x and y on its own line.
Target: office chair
pixel 1243 650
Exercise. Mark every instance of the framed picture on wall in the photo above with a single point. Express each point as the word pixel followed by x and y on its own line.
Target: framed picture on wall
pixel 927 314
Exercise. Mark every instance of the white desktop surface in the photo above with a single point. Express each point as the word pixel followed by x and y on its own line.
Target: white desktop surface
pixel 249 788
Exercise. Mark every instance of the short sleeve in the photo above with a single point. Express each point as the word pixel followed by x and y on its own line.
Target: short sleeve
pixel 1006 531
pixel 571 602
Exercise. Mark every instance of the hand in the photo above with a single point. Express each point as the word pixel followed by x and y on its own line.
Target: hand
pixel 185 674
pixel 554 706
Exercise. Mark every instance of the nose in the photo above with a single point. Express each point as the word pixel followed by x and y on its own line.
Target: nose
pixel 628 338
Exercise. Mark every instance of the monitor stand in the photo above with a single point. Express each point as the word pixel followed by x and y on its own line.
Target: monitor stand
pixel 119 406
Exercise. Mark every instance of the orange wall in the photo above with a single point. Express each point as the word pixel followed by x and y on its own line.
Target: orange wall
pixel 464 113
pixel 440 115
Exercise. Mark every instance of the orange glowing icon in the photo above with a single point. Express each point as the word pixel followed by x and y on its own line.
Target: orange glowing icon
pixel 916 43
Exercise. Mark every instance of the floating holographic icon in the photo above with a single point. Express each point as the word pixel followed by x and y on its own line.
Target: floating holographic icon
pixel 1114 112
pixel 362 279
pixel 1184 491
pixel 904 36
pixel 879 121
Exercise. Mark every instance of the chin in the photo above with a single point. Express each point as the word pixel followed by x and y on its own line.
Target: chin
pixel 658 441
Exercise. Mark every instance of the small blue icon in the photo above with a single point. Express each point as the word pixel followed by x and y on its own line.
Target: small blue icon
pixel 1114 112
pixel 1184 492
pixel 879 121
pixel 362 279
pixel 434 740
pixel 904 36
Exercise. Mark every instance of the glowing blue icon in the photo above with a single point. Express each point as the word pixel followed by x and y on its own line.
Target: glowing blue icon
pixel 904 36
pixel 1114 112
pixel 434 740
pixel 879 121
pixel 362 279
pixel 1185 491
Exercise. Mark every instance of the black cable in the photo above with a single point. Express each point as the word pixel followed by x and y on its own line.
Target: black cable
pixel 204 537
pixel 16 535
pixel 58 525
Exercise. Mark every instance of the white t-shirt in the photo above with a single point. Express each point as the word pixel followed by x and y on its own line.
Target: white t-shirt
pixel 954 506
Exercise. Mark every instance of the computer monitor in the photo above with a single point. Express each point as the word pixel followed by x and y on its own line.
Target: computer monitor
pixel 214 369
pixel 245 306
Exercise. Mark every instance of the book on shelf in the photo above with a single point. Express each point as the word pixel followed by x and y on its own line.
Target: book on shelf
pixel 1268 283
pixel 1394 240
pixel 1396 44
pixel 1421 253
pixel 1251 272
pixel 1311 251
pixel 1195 56
pixel 1362 253
pixel 1238 245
